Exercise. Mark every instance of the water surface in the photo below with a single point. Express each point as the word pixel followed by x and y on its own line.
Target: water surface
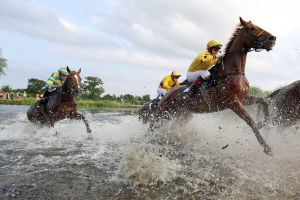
pixel 124 161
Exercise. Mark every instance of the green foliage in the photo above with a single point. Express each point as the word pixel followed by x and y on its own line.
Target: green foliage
pixel 109 97
pixel 27 101
pixel 92 87
pixel 100 103
pixel 256 91
pixel 80 103
pixel 3 63
pixel 146 98
pixel 35 86
pixel 128 98
pixel 19 90
pixel 6 88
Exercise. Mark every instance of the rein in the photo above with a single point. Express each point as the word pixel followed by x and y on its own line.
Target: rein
pixel 226 74
pixel 257 47
pixel 69 90
pixel 257 44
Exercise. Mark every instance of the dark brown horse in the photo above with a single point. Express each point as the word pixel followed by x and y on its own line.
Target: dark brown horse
pixel 284 104
pixel 62 104
pixel 231 89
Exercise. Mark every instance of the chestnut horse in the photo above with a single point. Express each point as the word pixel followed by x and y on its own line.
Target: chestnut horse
pixel 62 104
pixel 284 104
pixel 231 89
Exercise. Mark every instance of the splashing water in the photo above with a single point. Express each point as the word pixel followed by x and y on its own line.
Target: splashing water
pixel 212 156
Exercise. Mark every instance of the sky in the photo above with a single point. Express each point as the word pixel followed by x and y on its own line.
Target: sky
pixel 132 44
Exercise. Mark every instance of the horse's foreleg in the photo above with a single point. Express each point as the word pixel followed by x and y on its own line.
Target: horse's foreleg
pixel 262 103
pixel 240 110
pixel 79 116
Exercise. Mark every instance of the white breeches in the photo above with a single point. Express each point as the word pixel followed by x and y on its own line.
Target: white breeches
pixel 192 76
pixel 161 91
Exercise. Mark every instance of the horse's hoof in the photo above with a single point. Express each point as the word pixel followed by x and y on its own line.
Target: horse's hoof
pixel 89 130
pixel 267 150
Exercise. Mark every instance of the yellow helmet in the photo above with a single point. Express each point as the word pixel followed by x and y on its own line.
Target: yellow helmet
pixel 214 43
pixel 175 73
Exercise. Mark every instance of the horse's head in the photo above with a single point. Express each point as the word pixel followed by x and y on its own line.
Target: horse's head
pixel 72 84
pixel 256 38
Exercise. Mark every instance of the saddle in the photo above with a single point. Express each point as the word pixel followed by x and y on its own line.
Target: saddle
pixel 49 103
pixel 209 83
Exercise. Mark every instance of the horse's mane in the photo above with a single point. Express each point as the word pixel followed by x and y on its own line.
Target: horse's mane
pixel 234 35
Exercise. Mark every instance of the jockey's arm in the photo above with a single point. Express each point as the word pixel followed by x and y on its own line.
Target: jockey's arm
pixel 51 85
pixel 58 86
pixel 208 58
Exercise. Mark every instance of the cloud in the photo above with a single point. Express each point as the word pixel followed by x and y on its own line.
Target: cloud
pixel 148 39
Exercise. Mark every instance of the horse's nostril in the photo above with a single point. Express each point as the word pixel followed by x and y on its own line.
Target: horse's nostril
pixel 272 38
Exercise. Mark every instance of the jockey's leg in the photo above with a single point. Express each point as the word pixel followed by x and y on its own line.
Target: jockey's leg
pixel 197 78
pixel 161 92
pixel 43 105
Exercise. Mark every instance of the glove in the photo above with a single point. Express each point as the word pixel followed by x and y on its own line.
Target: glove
pixel 219 55
pixel 58 86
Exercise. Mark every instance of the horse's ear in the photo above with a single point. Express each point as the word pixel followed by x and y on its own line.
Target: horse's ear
pixel 79 71
pixel 68 69
pixel 243 22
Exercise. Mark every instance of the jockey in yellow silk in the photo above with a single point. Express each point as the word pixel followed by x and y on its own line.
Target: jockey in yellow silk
pixel 168 82
pixel 198 71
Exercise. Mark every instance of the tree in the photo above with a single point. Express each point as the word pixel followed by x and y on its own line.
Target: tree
pixel 3 63
pixel 128 98
pixel 256 91
pixel 35 86
pixel 146 98
pixel 92 87
pixel 6 88
pixel 109 97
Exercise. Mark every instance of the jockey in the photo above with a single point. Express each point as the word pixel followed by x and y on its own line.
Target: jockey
pixel 168 82
pixel 53 83
pixel 198 71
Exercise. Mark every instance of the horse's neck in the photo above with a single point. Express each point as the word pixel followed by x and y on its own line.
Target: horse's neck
pixel 65 95
pixel 235 59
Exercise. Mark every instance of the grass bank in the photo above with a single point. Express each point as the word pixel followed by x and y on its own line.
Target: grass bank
pixel 81 103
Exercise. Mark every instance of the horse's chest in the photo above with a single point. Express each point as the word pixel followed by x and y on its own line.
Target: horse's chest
pixel 67 110
pixel 238 85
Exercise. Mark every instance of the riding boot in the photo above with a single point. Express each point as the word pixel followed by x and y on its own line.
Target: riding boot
pixel 192 90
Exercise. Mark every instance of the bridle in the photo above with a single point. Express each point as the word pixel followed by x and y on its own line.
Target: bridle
pixel 73 88
pixel 257 46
